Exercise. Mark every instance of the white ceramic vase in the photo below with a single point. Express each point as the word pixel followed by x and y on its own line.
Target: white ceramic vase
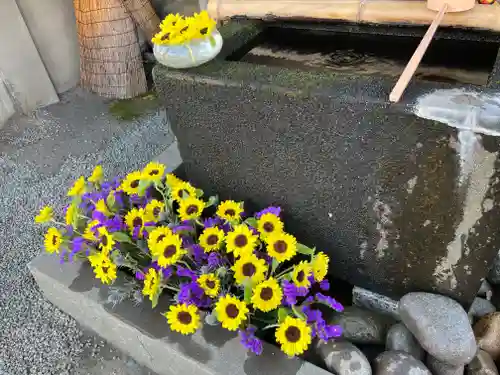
pixel 191 54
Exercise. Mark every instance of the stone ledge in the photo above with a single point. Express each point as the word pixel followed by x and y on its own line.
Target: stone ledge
pixel 144 334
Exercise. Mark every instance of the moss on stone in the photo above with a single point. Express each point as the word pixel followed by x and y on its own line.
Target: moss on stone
pixel 130 109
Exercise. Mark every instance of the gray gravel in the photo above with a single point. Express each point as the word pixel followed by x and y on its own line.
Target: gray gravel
pixel 40 156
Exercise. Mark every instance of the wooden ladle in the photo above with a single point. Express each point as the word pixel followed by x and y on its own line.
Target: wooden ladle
pixel 442 7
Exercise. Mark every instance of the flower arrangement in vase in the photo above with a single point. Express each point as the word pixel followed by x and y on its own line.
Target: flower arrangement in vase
pixel 185 42
pixel 217 263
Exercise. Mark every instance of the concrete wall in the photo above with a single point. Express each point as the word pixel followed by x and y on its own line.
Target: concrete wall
pixel 21 67
pixel 6 105
pixel 55 37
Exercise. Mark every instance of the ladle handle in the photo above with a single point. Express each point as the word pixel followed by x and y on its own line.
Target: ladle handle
pixel 412 65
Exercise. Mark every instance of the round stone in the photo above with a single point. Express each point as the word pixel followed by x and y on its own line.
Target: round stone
pixel 343 358
pixel 440 325
pixel 399 338
pixel 399 363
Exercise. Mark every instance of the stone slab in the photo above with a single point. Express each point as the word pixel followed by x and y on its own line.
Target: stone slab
pixel 21 67
pixel 144 334
pixel 389 195
pixel 6 105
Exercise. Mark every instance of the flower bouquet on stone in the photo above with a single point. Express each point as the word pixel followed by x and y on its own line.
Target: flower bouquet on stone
pixel 218 263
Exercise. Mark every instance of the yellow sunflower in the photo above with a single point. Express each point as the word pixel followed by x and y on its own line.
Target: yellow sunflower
pixel 269 224
pixel 135 219
pixel 182 190
pixel 320 266
pixel 97 175
pixel 267 295
pixel 294 335
pixel 204 24
pixel 191 208
pixel 231 312
pixel 130 184
pixel 241 240
pixel 251 267
pixel 46 214
pixel 172 180
pixel 210 284
pixel 169 250
pixel 281 246
pixel 71 211
pixel 154 171
pixel 102 207
pixel 300 274
pixel 153 210
pixel 151 284
pixel 97 259
pixel 106 241
pixel 88 234
pixel 78 187
pixel 53 240
pixel 106 271
pixel 183 318
pixel 156 236
pixel 171 21
pixel 211 239
pixel 230 210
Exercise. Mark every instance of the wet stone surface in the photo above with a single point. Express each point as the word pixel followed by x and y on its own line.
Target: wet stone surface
pixel 399 363
pixel 343 358
pixel 399 338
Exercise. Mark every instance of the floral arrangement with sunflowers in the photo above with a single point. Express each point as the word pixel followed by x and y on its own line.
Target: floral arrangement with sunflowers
pixel 176 29
pixel 217 263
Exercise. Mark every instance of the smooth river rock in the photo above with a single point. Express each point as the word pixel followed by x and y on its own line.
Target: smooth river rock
pixel 343 358
pixel 440 368
pixel 440 325
pixel 376 302
pixel 399 338
pixel 482 364
pixel 399 363
pixel 487 331
pixel 481 307
pixel 363 326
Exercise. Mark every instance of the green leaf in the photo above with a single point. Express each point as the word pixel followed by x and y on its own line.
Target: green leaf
pixel 154 302
pixel 274 265
pixel 248 292
pixel 283 312
pixel 159 185
pixel 212 201
pixel 303 249
pixel 251 221
pixel 212 41
pixel 121 237
pixel 110 201
pixel 143 185
pixel 199 193
pixel 297 313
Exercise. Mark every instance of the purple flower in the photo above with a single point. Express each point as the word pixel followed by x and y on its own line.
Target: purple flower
pixel 324 285
pixel 211 222
pixel 214 259
pixel 192 294
pixel 254 231
pixel 115 224
pixel 111 185
pixel 69 230
pixel 291 292
pixel 167 272
pixel 139 275
pixel 182 227
pixel 185 272
pixel 313 315
pixel 271 210
pixel 325 331
pixel 330 301
pixel 76 246
pixel 249 341
pixel 199 254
